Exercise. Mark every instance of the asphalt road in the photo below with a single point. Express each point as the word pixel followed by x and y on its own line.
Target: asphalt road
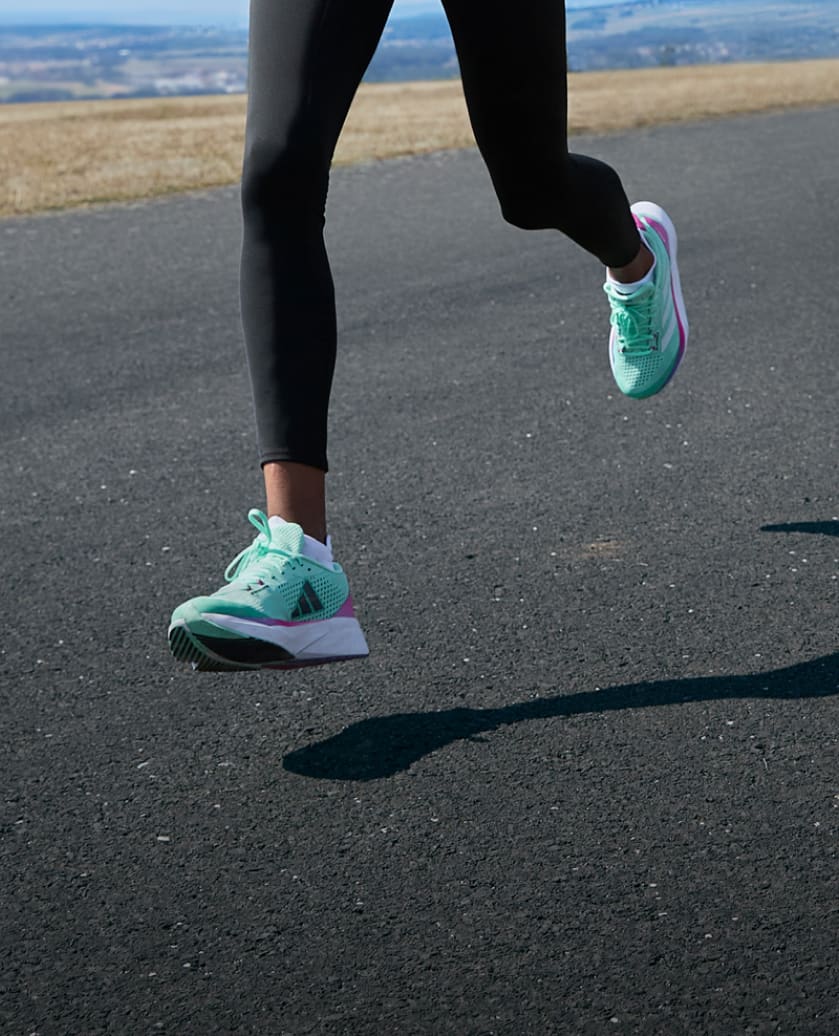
pixel 587 781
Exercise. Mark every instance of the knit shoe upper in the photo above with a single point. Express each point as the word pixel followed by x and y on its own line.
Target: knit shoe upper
pixel 279 608
pixel 649 327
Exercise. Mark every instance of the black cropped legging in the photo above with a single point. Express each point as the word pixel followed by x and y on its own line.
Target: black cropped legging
pixel 306 60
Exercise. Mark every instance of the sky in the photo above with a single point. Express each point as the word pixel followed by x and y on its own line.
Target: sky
pixel 172 12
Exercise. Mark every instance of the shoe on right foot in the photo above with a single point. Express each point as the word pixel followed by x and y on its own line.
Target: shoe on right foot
pixel 279 610
pixel 650 326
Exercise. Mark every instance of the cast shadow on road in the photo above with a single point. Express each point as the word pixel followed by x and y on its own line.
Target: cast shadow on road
pixel 820 528
pixel 386 745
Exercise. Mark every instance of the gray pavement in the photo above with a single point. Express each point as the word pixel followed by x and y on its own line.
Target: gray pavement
pixel 587 781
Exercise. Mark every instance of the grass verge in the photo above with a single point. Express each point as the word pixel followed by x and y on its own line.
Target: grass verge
pixel 73 153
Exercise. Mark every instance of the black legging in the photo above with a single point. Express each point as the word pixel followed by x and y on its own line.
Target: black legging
pixel 307 58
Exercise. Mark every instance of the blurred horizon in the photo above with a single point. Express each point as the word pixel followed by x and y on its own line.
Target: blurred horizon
pixel 100 57
pixel 181 12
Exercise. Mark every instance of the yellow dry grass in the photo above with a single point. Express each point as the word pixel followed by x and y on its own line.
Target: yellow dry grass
pixel 80 152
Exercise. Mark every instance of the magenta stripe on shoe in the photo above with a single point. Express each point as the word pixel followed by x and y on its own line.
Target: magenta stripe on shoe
pixel 662 233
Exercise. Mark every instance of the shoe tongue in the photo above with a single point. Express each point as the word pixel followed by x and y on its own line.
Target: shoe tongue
pixel 287 536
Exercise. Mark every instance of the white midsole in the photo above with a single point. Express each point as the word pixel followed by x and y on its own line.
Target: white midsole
pixel 324 638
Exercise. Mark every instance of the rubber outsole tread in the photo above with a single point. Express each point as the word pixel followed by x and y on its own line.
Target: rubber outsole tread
pixel 187 649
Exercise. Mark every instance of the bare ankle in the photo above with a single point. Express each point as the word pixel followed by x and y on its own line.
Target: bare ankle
pixel 297 493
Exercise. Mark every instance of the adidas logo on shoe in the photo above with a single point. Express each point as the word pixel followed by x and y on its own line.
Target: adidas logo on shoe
pixel 307 603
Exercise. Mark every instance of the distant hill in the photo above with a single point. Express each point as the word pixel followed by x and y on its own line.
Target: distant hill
pixel 41 63
pixel 641 35
pixel 687 32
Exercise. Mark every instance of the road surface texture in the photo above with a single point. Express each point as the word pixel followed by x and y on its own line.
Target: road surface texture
pixel 587 781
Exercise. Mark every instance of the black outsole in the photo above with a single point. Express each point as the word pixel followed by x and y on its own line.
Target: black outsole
pixel 188 648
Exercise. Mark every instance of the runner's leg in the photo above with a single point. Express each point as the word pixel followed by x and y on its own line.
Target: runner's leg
pixel 514 68
pixel 285 603
pixel 513 61
pixel 307 58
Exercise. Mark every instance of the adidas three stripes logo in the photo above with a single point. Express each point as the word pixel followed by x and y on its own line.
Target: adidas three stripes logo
pixel 307 603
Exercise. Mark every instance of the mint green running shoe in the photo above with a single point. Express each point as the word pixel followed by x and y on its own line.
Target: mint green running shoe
pixel 280 610
pixel 649 327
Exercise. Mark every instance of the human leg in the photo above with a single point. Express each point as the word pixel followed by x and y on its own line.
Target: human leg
pixel 286 602
pixel 513 63
pixel 514 68
pixel 306 60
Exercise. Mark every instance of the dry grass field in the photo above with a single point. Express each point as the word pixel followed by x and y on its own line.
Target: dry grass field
pixel 76 153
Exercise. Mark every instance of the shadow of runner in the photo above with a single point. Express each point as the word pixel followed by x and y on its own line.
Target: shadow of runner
pixel 830 528
pixel 386 745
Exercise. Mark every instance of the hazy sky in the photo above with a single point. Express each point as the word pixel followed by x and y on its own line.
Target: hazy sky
pixel 168 12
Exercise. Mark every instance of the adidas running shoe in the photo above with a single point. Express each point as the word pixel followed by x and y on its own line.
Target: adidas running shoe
pixel 650 326
pixel 279 610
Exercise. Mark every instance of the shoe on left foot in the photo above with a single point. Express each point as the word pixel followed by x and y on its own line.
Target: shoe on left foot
pixel 280 609
pixel 650 326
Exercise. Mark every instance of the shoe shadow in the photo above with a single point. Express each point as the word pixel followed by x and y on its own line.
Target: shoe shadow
pixel 820 528
pixel 383 746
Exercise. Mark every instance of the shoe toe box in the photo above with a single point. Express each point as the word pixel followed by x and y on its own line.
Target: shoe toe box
pixel 194 613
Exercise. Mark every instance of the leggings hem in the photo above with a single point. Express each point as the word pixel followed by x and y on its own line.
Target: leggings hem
pixel 318 461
